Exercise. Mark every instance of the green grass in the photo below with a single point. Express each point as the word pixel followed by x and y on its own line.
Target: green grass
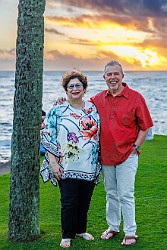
pixel 151 209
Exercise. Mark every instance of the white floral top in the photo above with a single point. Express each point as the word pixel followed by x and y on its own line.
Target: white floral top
pixel 72 135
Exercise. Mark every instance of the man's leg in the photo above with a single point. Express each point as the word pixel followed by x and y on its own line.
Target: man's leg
pixel 113 215
pixel 125 174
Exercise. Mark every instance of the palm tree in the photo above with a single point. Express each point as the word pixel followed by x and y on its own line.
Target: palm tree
pixel 24 182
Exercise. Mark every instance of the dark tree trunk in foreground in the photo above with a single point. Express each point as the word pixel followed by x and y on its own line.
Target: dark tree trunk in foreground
pixel 24 183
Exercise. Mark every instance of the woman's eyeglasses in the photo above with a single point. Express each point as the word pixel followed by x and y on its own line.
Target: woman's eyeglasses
pixel 77 86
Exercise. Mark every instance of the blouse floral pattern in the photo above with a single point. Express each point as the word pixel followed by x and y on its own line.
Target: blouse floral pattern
pixel 72 135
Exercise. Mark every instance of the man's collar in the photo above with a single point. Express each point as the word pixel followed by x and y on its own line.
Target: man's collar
pixel 124 91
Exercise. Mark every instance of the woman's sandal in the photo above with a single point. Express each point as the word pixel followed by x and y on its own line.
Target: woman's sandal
pixel 65 243
pixel 108 234
pixel 85 236
pixel 134 239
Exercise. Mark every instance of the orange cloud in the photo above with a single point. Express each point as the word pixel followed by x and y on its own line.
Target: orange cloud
pixel 119 30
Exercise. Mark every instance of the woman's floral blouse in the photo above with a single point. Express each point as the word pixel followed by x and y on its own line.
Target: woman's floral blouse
pixel 72 135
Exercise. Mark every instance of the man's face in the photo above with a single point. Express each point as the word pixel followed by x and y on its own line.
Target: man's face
pixel 113 77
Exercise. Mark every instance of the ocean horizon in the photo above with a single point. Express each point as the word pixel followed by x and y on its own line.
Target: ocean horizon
pixel 151 84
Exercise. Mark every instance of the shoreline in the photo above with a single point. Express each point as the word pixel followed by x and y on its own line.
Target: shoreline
pixel 5 168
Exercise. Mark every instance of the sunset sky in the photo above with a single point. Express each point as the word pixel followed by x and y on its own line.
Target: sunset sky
pixel 88 34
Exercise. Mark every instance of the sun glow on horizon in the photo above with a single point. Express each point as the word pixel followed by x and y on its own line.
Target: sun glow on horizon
pixel 87 35
pixel 146 57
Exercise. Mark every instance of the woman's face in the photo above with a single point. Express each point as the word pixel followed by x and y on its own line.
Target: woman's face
pixel 75 89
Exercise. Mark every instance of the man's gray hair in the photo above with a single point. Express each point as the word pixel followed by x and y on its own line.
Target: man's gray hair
pixel 113 63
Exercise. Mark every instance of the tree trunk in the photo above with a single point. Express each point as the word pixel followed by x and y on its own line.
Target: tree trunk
pixel 24 182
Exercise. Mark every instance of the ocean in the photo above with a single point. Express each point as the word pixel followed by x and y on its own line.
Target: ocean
pixel 152 85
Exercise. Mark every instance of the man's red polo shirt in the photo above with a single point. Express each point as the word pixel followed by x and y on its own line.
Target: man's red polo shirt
pixel 121 119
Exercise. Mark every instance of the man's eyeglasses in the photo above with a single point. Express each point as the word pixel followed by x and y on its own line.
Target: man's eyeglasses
pixel 77 86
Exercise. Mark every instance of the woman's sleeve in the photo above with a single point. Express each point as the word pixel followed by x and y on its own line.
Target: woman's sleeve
pixel 49 132
pixel 49 142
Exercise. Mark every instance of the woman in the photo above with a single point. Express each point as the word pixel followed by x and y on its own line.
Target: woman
pixel 71 138
pixel 42 150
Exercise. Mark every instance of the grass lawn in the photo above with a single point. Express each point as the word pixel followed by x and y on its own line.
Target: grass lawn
pixel 151 209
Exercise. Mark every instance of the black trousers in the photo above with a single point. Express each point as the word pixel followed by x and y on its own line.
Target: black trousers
pixel 75 200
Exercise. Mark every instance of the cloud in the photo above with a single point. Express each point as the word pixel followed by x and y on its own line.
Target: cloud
pixel 79 21
pixel 54 60
pixel 155 7
pixel 50 4
pixel 86 42
pixel 89 32
pixel 54 31
pixel 148 17
pixel 7 58
pixel 133 17
pixel 131 7
pixel 7 54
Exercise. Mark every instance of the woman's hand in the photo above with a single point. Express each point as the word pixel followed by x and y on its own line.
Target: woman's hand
pixel 57 170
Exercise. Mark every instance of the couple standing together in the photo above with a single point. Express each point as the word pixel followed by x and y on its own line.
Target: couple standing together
pixel 78 134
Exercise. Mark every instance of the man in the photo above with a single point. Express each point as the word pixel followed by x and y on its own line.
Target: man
pixel 125 121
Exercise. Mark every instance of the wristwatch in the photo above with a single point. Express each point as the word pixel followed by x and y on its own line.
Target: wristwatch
pixel 137 148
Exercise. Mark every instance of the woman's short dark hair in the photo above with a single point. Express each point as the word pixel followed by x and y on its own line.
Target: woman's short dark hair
pixel 74 73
